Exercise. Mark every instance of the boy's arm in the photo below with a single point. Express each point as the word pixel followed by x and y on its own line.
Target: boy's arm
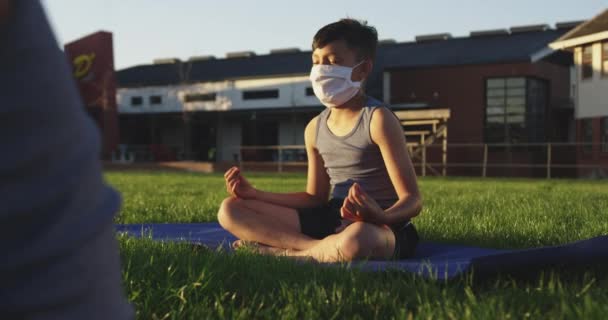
pixel 317 185
pixel 387 133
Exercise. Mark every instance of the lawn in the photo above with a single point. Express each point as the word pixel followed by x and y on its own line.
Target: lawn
pixel 176 281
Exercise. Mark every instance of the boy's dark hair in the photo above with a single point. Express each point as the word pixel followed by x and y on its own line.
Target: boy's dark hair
pixel 357 35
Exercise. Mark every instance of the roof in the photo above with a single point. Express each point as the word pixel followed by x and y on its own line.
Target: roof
pixel 216 69
pixel 514 47
pixel 519 47
pixel 596 24
pixel 592 30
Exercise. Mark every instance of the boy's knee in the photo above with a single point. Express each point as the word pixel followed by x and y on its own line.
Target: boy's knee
pixel 226 211
pixel 351 242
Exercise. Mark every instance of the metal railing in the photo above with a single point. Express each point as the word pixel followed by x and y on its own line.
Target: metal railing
pixel 282 155
pixel 129 153
pixel 541 158
pixel 546 157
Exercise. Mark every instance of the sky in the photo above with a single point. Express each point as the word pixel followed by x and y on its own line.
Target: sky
pixel 144 30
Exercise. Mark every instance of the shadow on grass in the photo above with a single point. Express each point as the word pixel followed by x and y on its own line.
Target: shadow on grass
pixel 513 240
pixel 188 281
pixel 529 272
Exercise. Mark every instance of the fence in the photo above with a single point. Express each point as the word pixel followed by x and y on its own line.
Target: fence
pixel 534 155
pixel 483 158
pixel 130 153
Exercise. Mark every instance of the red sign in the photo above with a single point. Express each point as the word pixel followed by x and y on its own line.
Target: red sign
pixel 92 61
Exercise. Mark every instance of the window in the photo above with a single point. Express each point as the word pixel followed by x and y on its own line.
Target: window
pixel 605 59
pixel 587 63
pixel 260 94
pixel 604 138
pixel 515 110
pixel 137 101
pixel 536 103
pixel 587 134
pixel 156 99
pixel 200 97
pixel 259 133
pixel 310 92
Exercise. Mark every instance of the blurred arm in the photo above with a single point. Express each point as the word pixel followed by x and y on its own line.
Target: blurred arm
pixel 4 12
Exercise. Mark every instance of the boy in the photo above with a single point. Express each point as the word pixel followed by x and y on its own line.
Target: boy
pixel 357 147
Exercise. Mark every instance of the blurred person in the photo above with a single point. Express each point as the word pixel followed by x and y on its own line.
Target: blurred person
pixel 60 258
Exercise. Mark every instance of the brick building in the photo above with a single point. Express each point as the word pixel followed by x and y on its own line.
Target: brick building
pixel 501 86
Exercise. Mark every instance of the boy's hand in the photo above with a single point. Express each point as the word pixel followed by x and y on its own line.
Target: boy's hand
pixel 237 185
pixel 359 206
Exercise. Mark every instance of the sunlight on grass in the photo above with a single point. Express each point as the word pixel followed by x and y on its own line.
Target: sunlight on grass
pixel 179 281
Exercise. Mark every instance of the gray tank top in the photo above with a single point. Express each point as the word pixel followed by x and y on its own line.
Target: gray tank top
pixel 354 157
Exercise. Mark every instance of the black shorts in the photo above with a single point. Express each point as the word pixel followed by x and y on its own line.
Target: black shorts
pixel 319 222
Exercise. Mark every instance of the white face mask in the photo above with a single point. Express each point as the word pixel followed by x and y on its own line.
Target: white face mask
pixel 333 85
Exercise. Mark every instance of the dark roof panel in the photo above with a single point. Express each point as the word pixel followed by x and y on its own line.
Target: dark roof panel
pixel 149 75
pixel 256 66
pixel 474 50
pixel 456 51
pixel 568 24
pixel 215 69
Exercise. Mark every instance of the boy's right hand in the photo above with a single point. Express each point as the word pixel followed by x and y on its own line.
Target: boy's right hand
pixel 237 185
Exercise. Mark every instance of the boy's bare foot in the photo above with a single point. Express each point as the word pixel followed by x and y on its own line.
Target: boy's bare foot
pixel 258 247
pixel 242 243
pixel 263 249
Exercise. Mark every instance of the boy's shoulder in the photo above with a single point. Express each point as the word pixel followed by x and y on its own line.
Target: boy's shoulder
pixel 312 124
pixel 379 112
pixel 375 103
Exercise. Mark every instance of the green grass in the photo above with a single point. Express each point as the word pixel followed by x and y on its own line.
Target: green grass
pixel 175 281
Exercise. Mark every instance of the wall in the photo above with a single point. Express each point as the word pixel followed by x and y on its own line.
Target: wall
pixel 172 136
pixel 592 98
pixel 291 133
pixel 229 96
pixel 596 157
pixel 591 102
pixel 228 137
pixel 170 99
pixel 462 90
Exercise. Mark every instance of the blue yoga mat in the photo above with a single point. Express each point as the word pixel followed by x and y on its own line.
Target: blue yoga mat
pixel 432 259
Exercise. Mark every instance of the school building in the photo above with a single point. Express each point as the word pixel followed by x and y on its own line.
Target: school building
pixel 589 44
pixel 502 86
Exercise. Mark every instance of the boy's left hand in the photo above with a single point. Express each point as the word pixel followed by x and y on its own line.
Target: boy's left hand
pixel 359 206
